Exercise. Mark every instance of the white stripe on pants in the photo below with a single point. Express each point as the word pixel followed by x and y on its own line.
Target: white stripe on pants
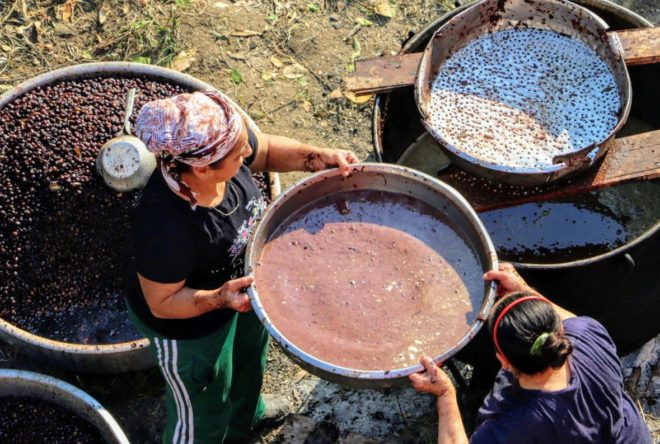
pixel 169 368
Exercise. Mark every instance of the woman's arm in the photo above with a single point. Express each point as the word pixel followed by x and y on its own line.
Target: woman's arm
pixel 281 154
pixel 433 380
pixel 510 281
pixel 176 301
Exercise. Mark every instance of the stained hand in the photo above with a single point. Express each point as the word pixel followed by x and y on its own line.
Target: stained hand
pixel 232 296
pixel 329 158
pixel 508 279
pixel 432 380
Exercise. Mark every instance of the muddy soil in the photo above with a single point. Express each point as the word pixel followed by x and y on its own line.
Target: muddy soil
pixel 283 61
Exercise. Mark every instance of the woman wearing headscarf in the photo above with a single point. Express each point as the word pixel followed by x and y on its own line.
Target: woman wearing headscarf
pixel 189 232
pixel 560 381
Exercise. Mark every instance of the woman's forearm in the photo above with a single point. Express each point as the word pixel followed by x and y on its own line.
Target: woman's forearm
pixel 450 423
pixel 286 154
pixel 188 303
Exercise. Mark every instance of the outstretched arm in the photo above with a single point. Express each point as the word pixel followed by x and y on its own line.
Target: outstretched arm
pixel 281 154
pixel 510 281
pixel 176 301
pixel 435 381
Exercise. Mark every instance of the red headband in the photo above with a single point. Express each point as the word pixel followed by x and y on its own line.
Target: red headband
pixel 505 311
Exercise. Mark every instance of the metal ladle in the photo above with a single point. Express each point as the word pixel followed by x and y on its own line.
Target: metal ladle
pixel 124 162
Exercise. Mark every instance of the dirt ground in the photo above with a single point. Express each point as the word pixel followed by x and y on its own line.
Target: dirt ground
pixel 283 61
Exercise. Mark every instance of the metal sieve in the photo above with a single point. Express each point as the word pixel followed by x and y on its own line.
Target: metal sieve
pixel 523 91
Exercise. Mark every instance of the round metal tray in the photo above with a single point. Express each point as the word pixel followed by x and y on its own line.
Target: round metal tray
pixel 36 385
pixel 377 177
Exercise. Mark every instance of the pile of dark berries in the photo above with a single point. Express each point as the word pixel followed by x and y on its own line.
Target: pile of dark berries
pixel 63 255
pixel 32 420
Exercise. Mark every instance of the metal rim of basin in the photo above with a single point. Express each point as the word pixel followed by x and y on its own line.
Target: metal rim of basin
pixel 37 385
pixel 365 378
pixel 125 352
pixel 606 5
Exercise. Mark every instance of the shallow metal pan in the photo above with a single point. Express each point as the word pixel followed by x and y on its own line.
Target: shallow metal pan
pixel 380 177
pixel 488 16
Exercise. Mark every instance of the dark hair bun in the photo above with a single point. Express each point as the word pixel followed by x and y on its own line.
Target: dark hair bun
pixel 556 349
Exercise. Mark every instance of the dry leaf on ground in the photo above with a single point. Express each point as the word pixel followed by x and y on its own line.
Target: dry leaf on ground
pixel 385 9
pixel 104 10
pixel 336 94
pixel 358 100
pixel 184 60
pixel 294 71
pixel 268 75
pixel 276 62
pixel 65 10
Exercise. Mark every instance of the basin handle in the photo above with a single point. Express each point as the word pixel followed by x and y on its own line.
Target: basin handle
pixel 128 111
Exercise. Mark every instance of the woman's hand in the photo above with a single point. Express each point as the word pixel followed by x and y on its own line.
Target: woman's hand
pixel 508 280
pixel 432 380
pixel 231 296
pixel 324 158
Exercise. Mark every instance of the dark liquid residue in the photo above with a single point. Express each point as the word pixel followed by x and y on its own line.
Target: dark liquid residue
pixel 369 280
pixel 574 228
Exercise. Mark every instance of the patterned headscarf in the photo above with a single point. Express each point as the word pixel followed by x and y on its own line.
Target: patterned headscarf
pixel 196 129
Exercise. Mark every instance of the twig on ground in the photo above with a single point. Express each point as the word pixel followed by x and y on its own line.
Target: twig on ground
pixel 11 11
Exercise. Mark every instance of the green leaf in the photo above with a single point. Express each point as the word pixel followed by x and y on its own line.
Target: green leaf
pixel 142 59
pixel 236 76
pixel 363 21
pixel 272 18
pixel 314 7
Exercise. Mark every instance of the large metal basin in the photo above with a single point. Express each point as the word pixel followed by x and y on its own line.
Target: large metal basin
pixel 379 177
pixel 36 385
pixel 99 358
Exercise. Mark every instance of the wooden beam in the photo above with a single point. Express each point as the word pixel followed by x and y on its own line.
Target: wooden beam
pixel 629 158
pixel 641 46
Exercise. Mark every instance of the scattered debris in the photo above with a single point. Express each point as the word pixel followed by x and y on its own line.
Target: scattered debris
pixel 385 9
pixel 294 71
pixel 184 60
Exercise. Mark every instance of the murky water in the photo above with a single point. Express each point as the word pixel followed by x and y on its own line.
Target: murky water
pixel 574 228
pixel 380 279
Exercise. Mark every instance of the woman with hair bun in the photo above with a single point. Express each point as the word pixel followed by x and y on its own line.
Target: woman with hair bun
pixel 560 381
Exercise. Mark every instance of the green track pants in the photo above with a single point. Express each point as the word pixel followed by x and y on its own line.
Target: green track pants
pixel 213 383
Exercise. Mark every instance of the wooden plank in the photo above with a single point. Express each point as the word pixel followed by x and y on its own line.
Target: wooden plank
pixel 629 158
pixel 383 74
pixel 640 46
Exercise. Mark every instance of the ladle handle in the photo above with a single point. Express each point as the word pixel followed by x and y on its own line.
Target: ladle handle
pixel 128 111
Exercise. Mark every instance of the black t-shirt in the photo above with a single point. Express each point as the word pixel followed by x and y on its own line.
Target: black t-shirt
pixel 171 242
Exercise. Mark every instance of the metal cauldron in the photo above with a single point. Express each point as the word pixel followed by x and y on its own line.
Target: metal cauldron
pixel 380 177
pixel 619 288
pixel 99 358
pixel 36 385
